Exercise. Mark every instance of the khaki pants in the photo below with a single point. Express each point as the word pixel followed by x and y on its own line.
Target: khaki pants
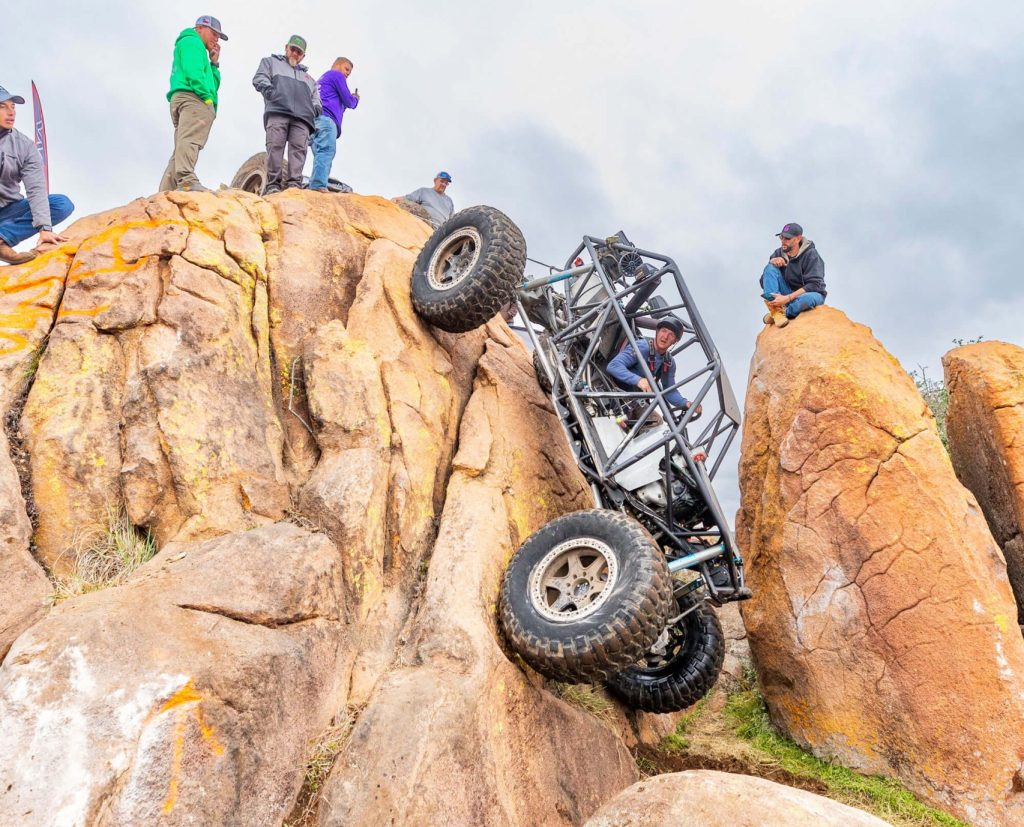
pixel 192 121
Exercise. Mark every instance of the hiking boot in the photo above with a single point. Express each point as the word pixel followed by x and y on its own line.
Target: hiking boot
pixel 271 190
pixel 767 318
pixel 8 254
pixel 780 318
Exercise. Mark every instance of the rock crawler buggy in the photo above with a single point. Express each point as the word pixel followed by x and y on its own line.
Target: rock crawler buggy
pixel 623 594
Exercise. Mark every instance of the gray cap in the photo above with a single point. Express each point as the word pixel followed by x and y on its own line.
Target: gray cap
pixel 7 96
pixel 791 230
pixel 213 23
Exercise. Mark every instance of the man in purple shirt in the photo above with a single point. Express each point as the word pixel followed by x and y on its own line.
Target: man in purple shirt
pixel 336 99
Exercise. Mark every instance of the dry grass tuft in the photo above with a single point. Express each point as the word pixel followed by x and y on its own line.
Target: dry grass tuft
pixel 105 559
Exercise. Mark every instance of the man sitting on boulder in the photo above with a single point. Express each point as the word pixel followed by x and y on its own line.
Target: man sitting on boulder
pixel 433 199
pixel 20 217
pixel 794 278
pixel 623 367
pixel 291 107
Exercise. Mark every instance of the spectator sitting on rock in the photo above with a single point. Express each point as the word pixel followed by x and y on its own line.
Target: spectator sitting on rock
pixel 794 279
pixel 291 107
pixel 22 218
pixel 433 199
pixel 336 98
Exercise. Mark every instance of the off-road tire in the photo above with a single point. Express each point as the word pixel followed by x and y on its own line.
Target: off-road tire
pixel 494 254
pixel 687 674
pixel 626 619
pixel 252 175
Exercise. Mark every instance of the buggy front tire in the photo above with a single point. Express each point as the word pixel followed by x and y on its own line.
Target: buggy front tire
pixel 680 673
pixel 586 596
pixel 468 269
pixel 252 175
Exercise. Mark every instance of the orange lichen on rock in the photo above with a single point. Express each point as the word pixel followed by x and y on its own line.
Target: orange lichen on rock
pixel 879 624
pixel 985 427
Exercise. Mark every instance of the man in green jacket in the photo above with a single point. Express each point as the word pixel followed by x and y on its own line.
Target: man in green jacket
pixel 195 79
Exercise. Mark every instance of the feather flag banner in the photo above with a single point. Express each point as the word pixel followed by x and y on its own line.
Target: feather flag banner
pixel 40 133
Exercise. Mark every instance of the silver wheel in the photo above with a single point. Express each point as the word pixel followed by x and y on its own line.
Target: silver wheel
pixel 454 258
pixel 574 579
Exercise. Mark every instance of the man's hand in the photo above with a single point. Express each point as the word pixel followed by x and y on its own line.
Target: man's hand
pixel 49 237
pixel 356 93
pixel 779 301
pixel 778 261
pixel 215 52
pixel 643 385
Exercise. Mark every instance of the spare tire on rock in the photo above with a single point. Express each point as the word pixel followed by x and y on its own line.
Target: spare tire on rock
pixel 252 175
pixel 586 596
pixel 469 269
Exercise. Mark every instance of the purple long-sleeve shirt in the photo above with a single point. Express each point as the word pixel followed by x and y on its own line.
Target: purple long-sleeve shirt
pixel 335 96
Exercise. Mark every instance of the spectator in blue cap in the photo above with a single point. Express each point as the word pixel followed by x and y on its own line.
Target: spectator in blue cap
pixel 433 199
pixel 195 81
pixel 794 278
pixel 20 163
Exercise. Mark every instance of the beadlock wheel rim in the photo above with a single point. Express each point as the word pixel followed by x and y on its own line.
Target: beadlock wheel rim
pixel 573 580
pixel 454 258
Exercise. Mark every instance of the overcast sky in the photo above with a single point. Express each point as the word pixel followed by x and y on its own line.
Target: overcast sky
pixel 891 131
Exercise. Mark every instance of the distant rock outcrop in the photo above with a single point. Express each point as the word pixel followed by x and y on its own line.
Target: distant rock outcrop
pixel 246 380
pixel 985 428
pixel 883 626
pixel 721 799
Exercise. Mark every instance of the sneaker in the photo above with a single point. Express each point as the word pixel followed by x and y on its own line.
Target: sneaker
pixel 271 190
pixel 197 187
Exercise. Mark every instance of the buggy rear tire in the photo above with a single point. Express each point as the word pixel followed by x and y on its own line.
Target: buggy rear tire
pixel 252 175
pixel 687 671
pixel 468 269
pixel 586 596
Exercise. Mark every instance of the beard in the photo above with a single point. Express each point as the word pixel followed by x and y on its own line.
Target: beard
pixel 293 61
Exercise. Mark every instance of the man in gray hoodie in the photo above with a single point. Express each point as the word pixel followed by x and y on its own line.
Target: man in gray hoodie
pixel 291 107
pixel 21 217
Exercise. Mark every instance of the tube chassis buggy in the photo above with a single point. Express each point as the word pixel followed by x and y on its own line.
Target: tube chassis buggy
pixel 622 594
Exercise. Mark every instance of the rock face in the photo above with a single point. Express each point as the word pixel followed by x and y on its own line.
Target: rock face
pixel 456 678
pixel 720 799
pixel 246 380
pixel 883 627
pixel 216 661
pixel 985 429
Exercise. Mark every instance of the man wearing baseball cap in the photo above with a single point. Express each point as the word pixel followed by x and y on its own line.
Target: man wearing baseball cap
pixel 20 163
pixel 195 81
pixel 291 105
pixel 794 279
pixel 434 200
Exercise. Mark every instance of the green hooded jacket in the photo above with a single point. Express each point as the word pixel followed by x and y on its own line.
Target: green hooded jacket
pixel 191 70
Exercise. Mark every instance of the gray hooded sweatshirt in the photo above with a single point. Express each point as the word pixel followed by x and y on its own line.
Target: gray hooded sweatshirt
pixel 287 90
pixel 20 162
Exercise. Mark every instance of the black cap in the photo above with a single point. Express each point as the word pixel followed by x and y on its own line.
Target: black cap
pixel 791 230
pixel 673 324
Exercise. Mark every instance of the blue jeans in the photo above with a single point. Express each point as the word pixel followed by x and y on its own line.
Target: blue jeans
pixel 16 218
pixel 325 147
pixel 773 282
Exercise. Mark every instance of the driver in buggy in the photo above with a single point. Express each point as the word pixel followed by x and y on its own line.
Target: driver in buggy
pixel 656 354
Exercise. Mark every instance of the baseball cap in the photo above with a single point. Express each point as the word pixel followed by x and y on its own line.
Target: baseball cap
pixel 7 96
pixel 213 23
pixel 298 42
pixel 791 230
pixel 444 176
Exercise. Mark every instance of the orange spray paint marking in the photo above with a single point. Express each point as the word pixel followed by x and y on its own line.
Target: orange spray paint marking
pixel 179 702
